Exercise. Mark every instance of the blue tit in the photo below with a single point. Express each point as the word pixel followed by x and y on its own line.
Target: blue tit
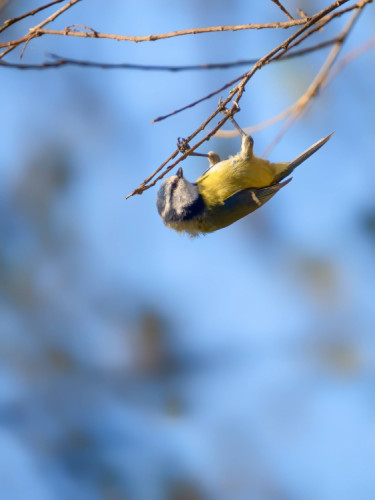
pixel 227 191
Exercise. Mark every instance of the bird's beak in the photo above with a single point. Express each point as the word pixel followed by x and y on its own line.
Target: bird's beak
pixel 180 173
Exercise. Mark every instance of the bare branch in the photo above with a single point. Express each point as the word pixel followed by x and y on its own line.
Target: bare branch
pixel 60 62
pixel 298 108
pixel 349 57
pixel 14 20
pixel 284 114
pixel 238 92
pixel 307 26
pixel 91 33
pixel 282 53
pixel 34 31
pixel 324 76
pixel 38 31
pixel 283 9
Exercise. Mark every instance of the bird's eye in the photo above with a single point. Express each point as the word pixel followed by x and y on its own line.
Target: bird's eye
pixel 174 184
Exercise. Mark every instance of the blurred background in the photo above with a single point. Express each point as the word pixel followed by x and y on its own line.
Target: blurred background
pixel 139 364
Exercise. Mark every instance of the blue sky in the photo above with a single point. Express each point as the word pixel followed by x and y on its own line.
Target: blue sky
pixel 240 363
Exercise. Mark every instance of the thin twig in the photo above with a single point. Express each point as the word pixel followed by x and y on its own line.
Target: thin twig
pixel 61 62
pixel 323 22
pixel 162 36
pixel 34 32
pixel 38 31
pixel 14 20
pixel 259 126
pixel 144 185
pixel 238 92
pixel 336 68
pixel 319 26
pixel 309 25
pixel 284 114
pixel 159 36
pixel 313 89
pixel 349 57
pixel 283 9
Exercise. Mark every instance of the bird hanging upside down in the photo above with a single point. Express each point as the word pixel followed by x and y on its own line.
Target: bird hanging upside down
pixel 227 191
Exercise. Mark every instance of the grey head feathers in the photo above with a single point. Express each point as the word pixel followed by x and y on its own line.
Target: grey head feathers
pixel 178 201
pixel 182 208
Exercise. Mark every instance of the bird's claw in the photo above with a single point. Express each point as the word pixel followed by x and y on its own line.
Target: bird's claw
pixel 182 145
pixel 225 111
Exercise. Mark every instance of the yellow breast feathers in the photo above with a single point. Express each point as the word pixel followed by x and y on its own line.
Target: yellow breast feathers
pixel 237 173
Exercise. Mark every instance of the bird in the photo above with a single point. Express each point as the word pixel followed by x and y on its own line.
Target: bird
pixel 227 191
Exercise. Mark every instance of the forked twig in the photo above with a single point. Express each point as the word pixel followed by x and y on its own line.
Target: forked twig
pixel 298 108
pixel 283 9
pixel 236 91
pixel 34 32
pixel 91 33
pixel 39 31
pixel 317 27
pixel 306 27
pixel 14 20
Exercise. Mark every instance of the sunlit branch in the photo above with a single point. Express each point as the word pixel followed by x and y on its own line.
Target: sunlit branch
pixel 14 20
pixel 281 7
pixel 236 94
pixel 60 62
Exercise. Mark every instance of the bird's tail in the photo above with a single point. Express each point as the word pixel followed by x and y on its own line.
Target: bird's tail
pixel 302 157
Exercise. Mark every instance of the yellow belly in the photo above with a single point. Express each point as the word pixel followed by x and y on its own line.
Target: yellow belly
pixel 235 174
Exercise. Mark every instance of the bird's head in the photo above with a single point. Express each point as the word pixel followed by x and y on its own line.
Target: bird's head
pixel 175 198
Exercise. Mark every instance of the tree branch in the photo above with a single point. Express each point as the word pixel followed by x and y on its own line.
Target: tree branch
pixel 34 31
pixel 283 9
pixel 61 62
pixel 38 31
pixel 297 109
pixel 307 26
pixel 14 20
pixel 282 53
pixel 238 91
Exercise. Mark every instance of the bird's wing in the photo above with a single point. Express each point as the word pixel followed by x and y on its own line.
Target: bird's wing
pixel 240 204
pixel 253 198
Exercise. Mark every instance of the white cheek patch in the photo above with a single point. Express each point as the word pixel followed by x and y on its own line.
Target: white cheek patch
pixel 167 199
pixel 184 195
